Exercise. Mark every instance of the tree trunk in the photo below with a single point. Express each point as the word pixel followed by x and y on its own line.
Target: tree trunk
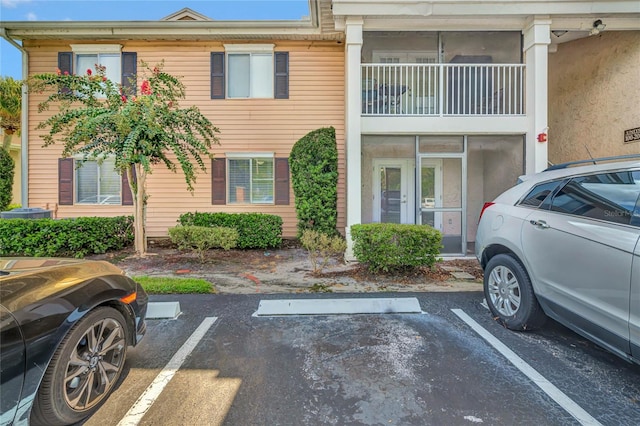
pixel 139 200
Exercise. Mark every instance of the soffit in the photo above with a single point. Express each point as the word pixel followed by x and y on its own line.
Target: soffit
pixel 318 26
pixel 474 8
pixel 576 17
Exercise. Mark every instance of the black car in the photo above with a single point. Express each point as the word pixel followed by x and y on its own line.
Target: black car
pixel 65 325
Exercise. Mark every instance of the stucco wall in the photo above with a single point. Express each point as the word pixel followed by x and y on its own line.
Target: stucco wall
pixel 594 90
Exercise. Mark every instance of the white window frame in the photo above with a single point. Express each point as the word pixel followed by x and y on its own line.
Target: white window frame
pixel 251 157
pixel 251 50
pixel 76 182
pixel 98 50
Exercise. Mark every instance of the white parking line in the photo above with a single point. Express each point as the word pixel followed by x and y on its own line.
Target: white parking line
pixel 149 396
pixel 556 394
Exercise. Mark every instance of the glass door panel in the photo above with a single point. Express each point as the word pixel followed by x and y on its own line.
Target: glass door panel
pixel 390 194
pixel 431 192
pixel 441 195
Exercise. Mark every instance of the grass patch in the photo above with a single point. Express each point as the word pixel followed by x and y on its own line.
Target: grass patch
pixel 320 288
pixel 171 285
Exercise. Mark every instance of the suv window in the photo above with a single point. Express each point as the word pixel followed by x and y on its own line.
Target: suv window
pixel 608 196
pixel 538 194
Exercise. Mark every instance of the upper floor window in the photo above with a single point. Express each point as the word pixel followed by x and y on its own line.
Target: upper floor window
pixel 120 67
pixel 250 75
pixel 87 56
pixel 249 71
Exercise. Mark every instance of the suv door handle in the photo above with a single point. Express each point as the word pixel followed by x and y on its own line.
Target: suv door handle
pixel 539 223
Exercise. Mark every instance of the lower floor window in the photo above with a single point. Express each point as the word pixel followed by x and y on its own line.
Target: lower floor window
pixel 97 182
pixel 250 180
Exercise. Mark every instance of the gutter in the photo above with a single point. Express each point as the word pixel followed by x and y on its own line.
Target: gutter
pixel 24 124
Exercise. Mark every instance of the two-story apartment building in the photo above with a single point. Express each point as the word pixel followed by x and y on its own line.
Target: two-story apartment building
pixel 447 102
pixel 439 105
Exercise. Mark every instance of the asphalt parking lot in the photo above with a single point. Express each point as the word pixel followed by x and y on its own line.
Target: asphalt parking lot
pixel 452 364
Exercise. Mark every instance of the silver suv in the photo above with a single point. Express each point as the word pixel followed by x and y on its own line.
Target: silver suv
pixel 566 243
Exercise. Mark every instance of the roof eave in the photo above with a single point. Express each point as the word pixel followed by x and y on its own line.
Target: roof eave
pixel 165 30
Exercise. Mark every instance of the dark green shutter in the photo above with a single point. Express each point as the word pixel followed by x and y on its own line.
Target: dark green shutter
pixel 129 71
pixel 281 181
pixel 65 181
pixel 65 65
pixel 217 75
pixel 219 181
pixel 281 82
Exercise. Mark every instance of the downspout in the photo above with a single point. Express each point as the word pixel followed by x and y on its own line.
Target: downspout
pixel 24 122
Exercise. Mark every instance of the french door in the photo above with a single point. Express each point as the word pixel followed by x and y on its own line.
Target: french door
pixel 394 190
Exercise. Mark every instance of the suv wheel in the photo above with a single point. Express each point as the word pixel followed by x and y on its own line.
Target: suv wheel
pixel 509 294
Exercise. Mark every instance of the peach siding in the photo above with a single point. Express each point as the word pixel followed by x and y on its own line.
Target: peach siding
pixel 316 99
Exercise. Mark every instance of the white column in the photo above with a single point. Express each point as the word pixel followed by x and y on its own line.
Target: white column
pixel 536 43
pixel 353 94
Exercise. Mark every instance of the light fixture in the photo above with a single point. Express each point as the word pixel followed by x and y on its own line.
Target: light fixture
pixel 598 26
pixel 559 33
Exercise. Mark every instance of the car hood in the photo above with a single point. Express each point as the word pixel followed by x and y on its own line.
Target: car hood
pixel 38 278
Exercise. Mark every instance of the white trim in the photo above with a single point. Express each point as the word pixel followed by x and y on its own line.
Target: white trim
pixel 96 48
pixel 249 48
pixel 234 155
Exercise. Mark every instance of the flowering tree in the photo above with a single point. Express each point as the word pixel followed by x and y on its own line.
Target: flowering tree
pixel 98 119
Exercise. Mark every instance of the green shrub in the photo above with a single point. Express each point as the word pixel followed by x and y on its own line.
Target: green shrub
pixel 13 206
pixel 202 238
pixel 6 179
pixel 389 246
pixel 255 230
pixel 321 247
pixel 64 237
pixel 314 177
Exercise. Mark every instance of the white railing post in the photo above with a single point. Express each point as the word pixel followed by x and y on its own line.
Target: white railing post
pixel 443 89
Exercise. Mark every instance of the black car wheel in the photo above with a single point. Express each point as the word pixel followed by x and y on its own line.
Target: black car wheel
pixel 83 370
pixel 509 294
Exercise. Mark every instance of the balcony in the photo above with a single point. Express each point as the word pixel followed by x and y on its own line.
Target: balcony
pixel 443 90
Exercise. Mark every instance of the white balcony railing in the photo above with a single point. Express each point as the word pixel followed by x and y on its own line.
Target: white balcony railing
pixel 443 89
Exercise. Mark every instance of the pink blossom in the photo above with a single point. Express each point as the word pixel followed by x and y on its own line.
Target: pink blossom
pixel 124 98
pixel 66 73
pixel 104 78
pixel 88 71
pixel 145 88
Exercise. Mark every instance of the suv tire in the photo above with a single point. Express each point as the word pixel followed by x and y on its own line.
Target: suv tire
pixel 509 294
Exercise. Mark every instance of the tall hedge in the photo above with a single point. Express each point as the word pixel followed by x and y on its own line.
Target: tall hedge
pixel 6 179
pixel 314 175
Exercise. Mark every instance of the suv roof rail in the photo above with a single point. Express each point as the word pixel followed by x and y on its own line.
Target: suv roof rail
pixel 592 160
